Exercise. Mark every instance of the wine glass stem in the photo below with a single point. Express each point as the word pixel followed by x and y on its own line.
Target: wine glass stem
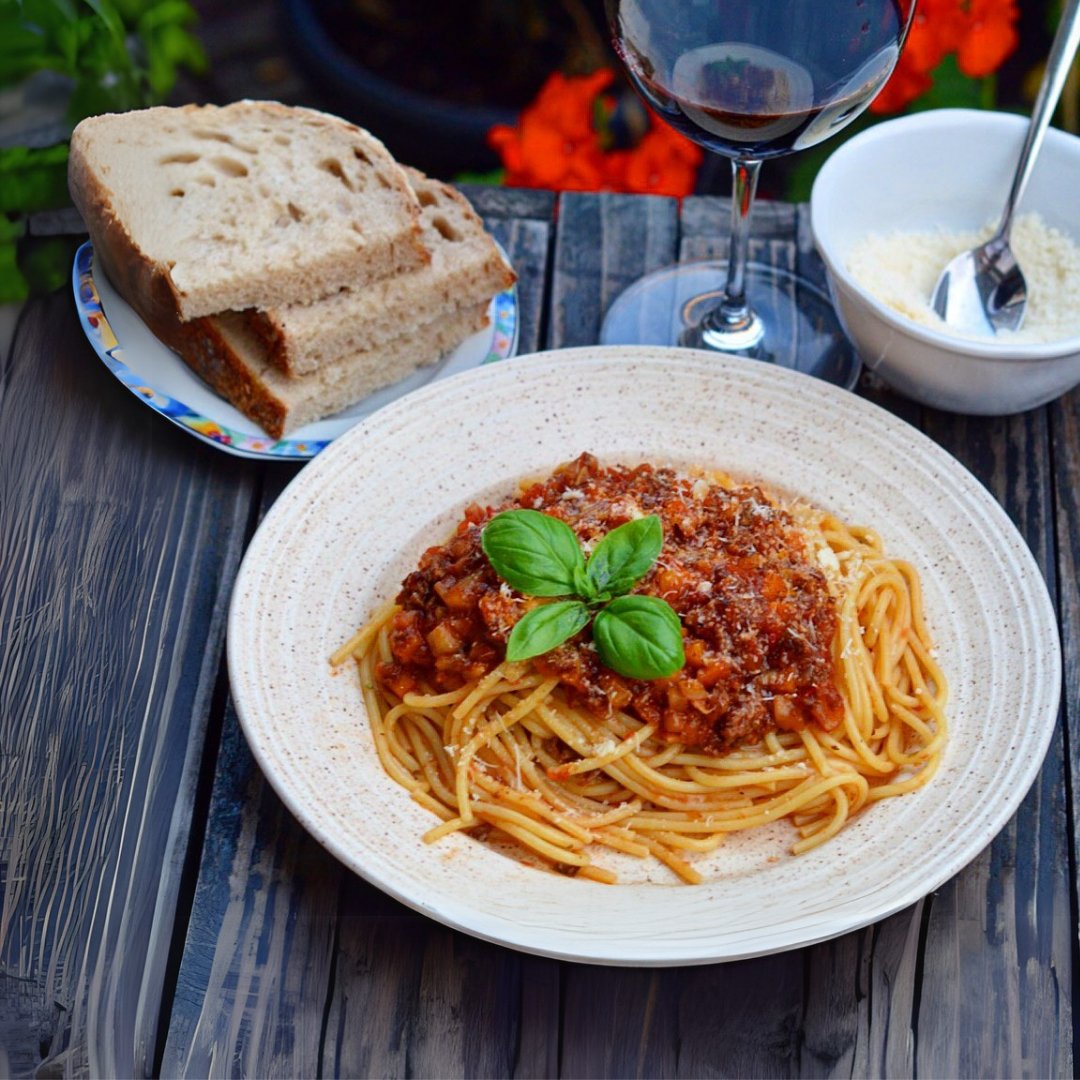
pixel 732 325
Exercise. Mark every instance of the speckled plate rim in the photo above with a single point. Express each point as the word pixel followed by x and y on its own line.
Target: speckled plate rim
pixel 322 561
pixel 216 422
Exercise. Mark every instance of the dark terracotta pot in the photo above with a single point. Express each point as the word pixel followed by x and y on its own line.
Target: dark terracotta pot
pixel 437 136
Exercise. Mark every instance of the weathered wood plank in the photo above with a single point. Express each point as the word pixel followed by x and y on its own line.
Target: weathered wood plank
pixel 1065 443
pixel 526 244
pixel 251 990
pixel 997 952
pixel 412 998
pixel 706 227
pixel 603 244
pixel 276 977
pixel 517 204
pixel 120 537
pixel 622 1021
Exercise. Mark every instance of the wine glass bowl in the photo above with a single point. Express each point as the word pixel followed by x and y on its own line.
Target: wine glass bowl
pixel 750 80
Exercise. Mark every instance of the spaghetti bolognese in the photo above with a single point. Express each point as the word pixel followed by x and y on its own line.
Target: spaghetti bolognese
pixel 809 687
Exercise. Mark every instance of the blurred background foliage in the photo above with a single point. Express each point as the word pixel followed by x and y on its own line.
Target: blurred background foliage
pixel 537 66
pixel 60 61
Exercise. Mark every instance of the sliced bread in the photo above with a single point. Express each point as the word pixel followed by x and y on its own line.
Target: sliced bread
pixel 254 204
pixel 466 267
pixel 224 351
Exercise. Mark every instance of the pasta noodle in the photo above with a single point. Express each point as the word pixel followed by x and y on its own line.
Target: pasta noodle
pixel 516 750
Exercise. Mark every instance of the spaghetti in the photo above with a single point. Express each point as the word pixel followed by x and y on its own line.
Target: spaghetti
pixel 810 688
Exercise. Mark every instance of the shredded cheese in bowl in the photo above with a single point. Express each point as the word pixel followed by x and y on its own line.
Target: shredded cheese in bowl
pixel 901 269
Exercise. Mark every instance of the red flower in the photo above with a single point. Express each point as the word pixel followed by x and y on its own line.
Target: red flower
pixel 555 144
pixel 982 33
pixel 991 37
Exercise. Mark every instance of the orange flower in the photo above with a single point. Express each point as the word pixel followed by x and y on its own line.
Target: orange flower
pixel 905 85
pixel 663 163
pixel 991 37
pixel 982 33
pixel 556 145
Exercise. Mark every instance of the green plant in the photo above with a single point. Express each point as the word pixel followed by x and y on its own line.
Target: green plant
pixel 112 55
pixel 637 636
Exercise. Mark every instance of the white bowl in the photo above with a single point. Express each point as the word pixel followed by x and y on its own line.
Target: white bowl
pixel 950 169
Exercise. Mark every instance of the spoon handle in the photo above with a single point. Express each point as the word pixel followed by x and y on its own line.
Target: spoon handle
pixel 1057 69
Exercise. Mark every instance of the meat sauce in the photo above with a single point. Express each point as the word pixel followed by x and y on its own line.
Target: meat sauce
pixel 757 614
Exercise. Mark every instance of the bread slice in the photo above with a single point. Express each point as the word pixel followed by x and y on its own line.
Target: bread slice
pixel 253 204
pixel 223 350
pixel 466 267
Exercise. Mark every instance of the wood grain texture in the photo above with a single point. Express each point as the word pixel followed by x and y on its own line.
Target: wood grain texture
pixel 888 1000
pixel 120 537
pixel 1065 446
pixel 292 966
pixel 603 244
pixel 519 204
pixel 1001 925
pixel 251 990
pixel 412 998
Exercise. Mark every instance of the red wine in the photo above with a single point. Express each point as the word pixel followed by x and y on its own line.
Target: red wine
pixel 759 78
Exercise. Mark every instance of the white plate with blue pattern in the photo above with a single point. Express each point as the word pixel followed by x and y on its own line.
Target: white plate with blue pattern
pixel 162 381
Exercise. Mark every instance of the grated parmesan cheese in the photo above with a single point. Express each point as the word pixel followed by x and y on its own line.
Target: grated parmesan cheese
pixel 827 559
pixel 901 269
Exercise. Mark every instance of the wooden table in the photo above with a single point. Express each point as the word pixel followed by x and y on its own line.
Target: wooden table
pixel 164 914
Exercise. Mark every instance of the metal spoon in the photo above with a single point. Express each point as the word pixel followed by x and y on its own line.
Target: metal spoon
pixel 983 291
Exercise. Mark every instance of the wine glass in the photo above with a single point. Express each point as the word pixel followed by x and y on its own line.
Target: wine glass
pixel 750 80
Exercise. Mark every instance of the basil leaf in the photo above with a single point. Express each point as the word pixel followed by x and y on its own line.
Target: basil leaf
pixel 639 637
pixel 583 587
pixel 537 554
pixel 625 555
pixel 540 630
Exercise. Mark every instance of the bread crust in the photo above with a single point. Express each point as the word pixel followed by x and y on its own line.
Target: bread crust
pixel 213 349
pixel 199 342
pixel 208 347
pixel 466 269
pixel 382 254
pixel 232 351
pixel 145 284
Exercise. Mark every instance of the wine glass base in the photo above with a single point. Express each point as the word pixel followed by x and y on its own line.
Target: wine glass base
pixel 798 325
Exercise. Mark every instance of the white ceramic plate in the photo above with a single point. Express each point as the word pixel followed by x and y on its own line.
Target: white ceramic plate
pixel 353 523
pixel 163 382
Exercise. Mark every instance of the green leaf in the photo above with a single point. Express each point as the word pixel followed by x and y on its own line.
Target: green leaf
pixel 537 554
pixel 951 89
pixel 108 16
pixel 639 637
pixel 13 286
pixel 494 178
pixel 542 629
pixel 584 587
pixel 33 179
pixel 624 556
pixel 45 261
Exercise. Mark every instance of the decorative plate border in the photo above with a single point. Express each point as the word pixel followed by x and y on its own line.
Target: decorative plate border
pixel 504 338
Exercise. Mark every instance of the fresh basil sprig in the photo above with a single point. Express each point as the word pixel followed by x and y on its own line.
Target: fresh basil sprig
pixel 636 636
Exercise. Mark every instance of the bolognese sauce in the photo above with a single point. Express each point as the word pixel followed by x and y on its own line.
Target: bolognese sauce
pixel 758 617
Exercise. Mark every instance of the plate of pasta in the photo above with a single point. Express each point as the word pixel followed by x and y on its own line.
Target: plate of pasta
pixel 642 656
